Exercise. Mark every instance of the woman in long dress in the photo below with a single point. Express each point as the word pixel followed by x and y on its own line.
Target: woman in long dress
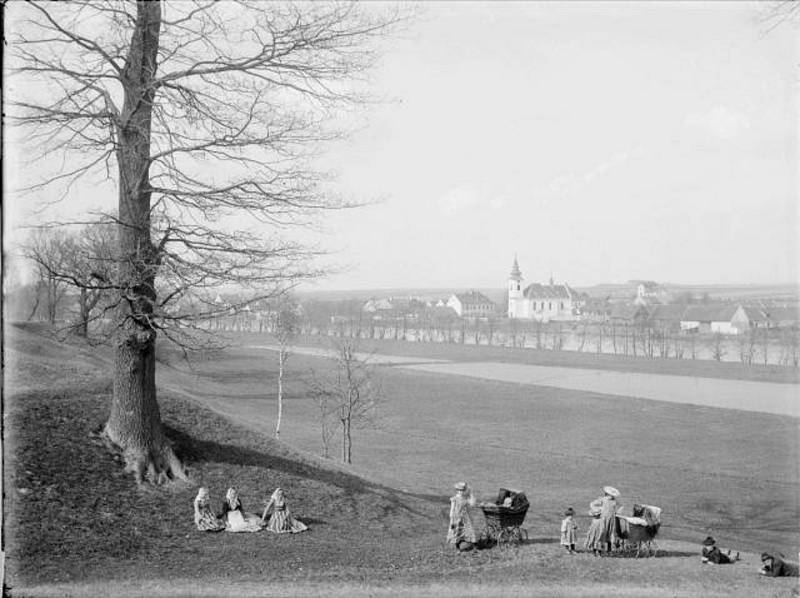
pixel 235 517
pixel 461 533
pixel 281 520
pixel 204 518
pixel 608 515
pixel 595 532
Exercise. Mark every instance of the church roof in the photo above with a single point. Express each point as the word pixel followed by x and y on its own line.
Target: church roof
pixel 543 291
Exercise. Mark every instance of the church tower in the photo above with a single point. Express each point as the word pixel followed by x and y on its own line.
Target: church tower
pixel 514 291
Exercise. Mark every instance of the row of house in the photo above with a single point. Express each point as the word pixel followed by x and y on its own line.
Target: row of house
pixel 470 304
pixel 722 318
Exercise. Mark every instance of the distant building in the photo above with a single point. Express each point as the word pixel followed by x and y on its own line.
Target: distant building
pixel 626 314
pixel 710 318
pixel 541 302
pixel 650 293
pixel 667 317
pixel 471 305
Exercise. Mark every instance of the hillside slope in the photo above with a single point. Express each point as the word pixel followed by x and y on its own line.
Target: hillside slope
pixel 77 525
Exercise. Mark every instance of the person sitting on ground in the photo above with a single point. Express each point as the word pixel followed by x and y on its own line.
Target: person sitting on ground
pixel 712 554
pixel 235 517
pixel 595 533
pixel 569 530
pixel 281 520
pixel 773 565
pixel 461 533
pixel 204 518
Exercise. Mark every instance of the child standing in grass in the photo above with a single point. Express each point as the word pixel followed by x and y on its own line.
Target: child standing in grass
pixel 569 530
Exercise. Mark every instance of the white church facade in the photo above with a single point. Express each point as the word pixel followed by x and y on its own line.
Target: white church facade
pixel 541 302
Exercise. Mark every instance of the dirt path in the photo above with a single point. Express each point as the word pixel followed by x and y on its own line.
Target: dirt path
pixel 763 397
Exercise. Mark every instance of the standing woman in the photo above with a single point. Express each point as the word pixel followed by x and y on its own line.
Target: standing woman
pixel 281 520
pixel 461 532
pixel 204 518
pixel 608 515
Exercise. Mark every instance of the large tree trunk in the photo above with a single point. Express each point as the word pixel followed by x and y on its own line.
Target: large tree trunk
pixel 135 422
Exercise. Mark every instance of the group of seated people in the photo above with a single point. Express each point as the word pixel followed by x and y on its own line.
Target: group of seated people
pixel 233 518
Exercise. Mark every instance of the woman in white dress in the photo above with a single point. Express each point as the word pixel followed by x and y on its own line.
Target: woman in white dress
pixel 235 517
pixel 281 520
pixel 461 532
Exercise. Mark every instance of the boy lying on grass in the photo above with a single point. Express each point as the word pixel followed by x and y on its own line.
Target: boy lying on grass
pixel 712 554
pixel 775 566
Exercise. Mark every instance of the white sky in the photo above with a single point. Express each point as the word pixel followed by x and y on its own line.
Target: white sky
pixel 604 142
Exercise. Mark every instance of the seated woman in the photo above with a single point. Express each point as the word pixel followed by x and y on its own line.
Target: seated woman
pixel 773 565
pixel 281 520
pixel 204 518
pixel 461 533
pixel 712 554
pixel 236 520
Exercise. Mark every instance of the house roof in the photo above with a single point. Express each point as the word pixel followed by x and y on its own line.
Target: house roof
pixel 626 311
pixel 783 314
pixel 668 313
pixel 542 291
pixel 473 298
pixel 709 313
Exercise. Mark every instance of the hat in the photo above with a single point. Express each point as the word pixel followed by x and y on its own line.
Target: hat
pixel 461 486
pixel 569 511
pixel 611 491
pixel 709 541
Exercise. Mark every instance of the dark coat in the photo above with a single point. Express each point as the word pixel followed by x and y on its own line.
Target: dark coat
pixel 780 568
pixel 715 555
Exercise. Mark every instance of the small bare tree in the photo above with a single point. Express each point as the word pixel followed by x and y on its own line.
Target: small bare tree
pixel 350 396
pixel 284 328
pixel 48 249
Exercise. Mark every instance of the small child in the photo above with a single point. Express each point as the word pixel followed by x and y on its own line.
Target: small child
pixel 595 533
pixel 569 530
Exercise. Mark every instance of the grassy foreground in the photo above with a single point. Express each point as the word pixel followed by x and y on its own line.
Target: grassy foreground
pixel 75 525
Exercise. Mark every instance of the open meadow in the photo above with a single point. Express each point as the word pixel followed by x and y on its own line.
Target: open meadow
pixel 77 525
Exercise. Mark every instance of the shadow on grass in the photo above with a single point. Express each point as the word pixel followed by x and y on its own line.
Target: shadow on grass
pixel 659 555
pixel 541 541
pixel 192 449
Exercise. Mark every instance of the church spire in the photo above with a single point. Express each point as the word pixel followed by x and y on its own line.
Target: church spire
pixel 515 272
pixel 551 278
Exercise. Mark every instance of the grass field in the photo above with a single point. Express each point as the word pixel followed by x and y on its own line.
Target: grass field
pixel 76 525
pixel 587 359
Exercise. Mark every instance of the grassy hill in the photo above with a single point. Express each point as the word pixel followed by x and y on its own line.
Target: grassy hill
pixel 77 525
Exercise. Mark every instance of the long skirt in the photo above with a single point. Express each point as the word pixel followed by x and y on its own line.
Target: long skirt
pixel 594 536
pixel 282 522
pixel 236 521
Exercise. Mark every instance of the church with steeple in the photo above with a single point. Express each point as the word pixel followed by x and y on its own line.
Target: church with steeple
pixel 541 302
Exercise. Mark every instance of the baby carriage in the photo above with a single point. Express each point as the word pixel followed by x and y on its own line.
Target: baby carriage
pixel 504 517
pixel 639 530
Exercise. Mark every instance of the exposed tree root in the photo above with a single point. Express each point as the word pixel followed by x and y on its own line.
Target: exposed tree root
pixel 155 464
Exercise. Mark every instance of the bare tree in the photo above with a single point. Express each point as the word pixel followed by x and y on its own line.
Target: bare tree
pixel 48 249
pixel 284 328
pixel 199 112
pixel 350 396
